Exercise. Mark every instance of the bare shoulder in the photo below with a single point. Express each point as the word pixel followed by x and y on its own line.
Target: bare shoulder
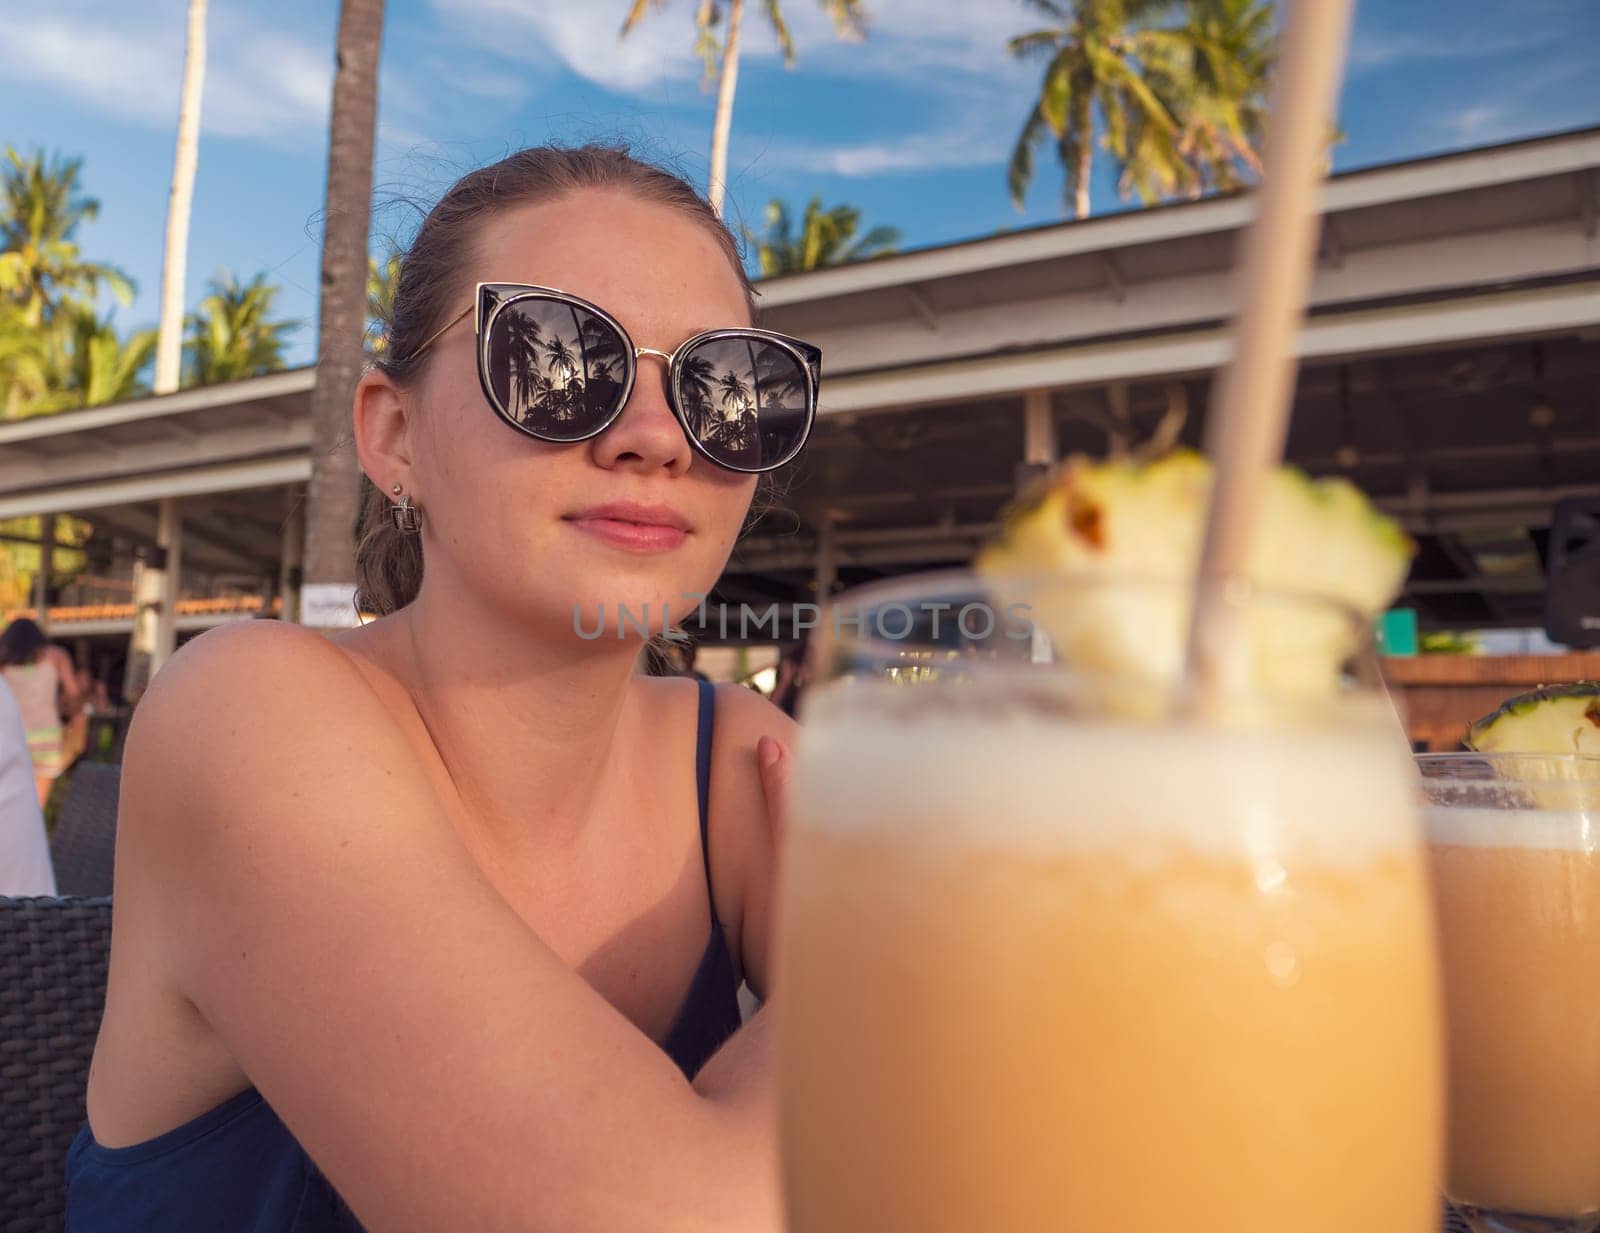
pixel 248 729
pixel 743 851
pixel 261 686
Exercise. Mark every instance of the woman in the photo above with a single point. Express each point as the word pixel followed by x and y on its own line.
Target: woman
pixel 45 683
pixel 427 903
pixel 25 867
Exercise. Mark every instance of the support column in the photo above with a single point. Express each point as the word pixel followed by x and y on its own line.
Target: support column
pixel 827 560
pixel 170 536
pixel 41 580
pixel 155 597
pixel 291 557
pixel 1038 437
pixel 1118 439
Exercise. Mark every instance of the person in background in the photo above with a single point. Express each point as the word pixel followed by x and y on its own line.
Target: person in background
pixel 24 854
pixel 45 684
pixel 792 676
pixel 75 730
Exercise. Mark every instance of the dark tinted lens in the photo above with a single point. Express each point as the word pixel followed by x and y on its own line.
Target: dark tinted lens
pixel 555 368
pixel 746 399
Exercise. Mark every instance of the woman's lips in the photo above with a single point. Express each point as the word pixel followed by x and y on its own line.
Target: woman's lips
pixel 636 528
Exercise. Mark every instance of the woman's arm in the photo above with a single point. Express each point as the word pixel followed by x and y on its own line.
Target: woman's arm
pixel 70 699
pixel 443 1067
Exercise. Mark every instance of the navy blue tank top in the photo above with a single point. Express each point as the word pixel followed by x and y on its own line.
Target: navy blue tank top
pixel 237 1169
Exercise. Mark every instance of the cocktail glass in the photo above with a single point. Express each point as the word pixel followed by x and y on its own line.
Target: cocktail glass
pixel 1055 955
pixel 1514 846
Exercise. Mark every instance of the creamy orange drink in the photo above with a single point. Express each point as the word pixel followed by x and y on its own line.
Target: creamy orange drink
pixel 1060 951
pixel 1515 852
pixel 1055 972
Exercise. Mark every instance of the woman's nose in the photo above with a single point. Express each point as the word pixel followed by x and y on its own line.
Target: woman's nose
pixel 646 436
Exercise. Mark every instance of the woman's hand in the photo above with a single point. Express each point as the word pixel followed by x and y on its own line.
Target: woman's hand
pixel 772 756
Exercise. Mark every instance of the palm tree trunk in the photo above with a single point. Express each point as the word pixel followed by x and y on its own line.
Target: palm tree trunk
pixel 334 496
pixel 169 340
pixel 724 121
pixel 755 377
pixel 154 635
pixel 583 347
pixel 1083 118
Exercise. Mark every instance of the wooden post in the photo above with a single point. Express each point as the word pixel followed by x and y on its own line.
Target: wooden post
pixel 170 536
pixel 1120 437
pixel 827 560
pixel 292 555
pixel 1039 448
pixel 41 580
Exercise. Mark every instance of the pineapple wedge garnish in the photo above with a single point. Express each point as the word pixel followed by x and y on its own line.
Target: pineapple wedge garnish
pixel 1559 720
pixel 1105 554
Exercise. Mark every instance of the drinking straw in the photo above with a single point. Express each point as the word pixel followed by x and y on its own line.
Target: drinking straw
pixel 1249 418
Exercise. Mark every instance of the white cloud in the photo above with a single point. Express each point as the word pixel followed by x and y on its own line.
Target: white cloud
pixel 582 36
pixel 908 40
pixel 127 61
pixel 1380 49
pixel 962 146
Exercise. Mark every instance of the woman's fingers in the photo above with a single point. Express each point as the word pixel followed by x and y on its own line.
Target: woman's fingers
pixel 772 756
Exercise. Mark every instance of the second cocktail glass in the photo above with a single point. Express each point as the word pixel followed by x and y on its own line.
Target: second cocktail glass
pixel 1514 841
pixel 1053 956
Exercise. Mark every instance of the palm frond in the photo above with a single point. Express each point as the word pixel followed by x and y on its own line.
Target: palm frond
pixel 636 12
pixel 1019 172
pixel 780 27
pixel 849 18
pixel 1033 44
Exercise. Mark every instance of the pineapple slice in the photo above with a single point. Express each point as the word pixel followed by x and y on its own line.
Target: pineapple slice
pixel 1132 532
pixel 1558 719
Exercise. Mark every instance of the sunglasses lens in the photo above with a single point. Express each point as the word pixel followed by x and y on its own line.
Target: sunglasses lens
pixel 555 368
pixel 747 400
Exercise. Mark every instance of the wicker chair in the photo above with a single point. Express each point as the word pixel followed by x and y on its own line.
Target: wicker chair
pixel 86 834
pixel 53 955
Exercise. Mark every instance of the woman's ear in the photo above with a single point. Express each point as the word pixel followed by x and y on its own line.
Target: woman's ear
pixel 383 431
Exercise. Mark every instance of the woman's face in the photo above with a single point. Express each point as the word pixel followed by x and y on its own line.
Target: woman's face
pixel 521 524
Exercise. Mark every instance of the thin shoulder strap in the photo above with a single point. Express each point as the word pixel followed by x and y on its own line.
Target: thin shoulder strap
pixel 704 728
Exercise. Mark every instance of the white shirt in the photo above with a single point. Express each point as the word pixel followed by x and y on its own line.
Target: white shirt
pixel 24 852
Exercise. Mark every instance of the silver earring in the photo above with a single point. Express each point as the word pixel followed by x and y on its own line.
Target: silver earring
pixel 407 517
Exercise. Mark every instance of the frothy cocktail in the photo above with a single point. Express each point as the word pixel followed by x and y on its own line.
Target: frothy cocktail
pixel 1515 852
pixel 1042 969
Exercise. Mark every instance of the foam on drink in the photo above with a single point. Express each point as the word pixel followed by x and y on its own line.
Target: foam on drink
pixel 998 773
pixel 1059 973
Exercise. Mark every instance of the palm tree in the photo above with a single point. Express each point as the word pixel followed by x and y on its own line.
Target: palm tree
pixel 695 380
pixel 735 393
pixel 1169 109
pixel 169 339
pixel 722 61
pixel 232 335
pixel 383 281
pixel 523 343
pixel 41 267
pixel 1212 74
pixel 81 361
pixel 826 237
pixel 103 366
pixel 583 347
pixel 334 496
pixel 562 366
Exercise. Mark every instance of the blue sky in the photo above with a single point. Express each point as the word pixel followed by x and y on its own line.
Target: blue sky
pixel 914 124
